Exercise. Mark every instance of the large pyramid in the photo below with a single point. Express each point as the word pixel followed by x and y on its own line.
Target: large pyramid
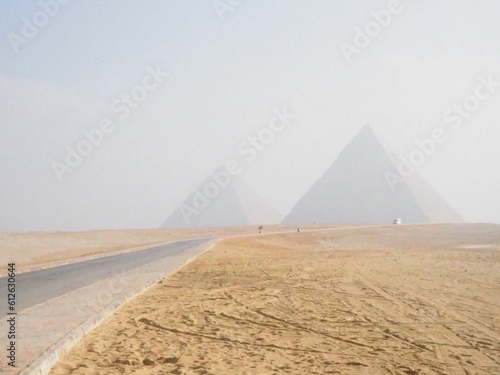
pixel 235 205
pixel 354 190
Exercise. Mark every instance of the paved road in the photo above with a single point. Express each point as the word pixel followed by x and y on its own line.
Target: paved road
pixel 39 286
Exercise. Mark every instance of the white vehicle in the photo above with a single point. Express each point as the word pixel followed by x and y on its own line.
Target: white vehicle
pixel 396 221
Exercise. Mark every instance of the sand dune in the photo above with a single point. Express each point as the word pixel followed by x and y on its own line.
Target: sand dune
pixel 395 300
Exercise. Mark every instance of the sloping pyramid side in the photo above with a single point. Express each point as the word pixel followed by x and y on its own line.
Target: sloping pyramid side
pixel 432 203
pixel 236 205
pixel 435 207
pixel 257 210
pixel 354 189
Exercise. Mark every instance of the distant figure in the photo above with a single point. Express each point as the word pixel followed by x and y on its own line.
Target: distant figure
pixel 298 229
pixel 396 221
pixel 261 228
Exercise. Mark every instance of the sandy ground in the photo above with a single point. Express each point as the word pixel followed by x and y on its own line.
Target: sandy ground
pixel 41 249
pixel 395 300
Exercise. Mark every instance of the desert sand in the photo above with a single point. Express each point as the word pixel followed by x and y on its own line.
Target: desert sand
pixel 34 250
pixel 388 300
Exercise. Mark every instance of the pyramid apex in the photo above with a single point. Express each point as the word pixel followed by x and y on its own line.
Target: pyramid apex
pixel 354 189
pixel 366 133
pixel 367 127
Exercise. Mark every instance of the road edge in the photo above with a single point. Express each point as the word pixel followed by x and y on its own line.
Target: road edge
pixel 51 356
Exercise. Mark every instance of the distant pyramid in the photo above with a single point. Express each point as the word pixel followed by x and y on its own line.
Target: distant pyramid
pixel 432 203
pixel 354 190
pixel 235 205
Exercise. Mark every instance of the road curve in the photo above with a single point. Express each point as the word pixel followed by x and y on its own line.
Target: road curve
pixel 33 288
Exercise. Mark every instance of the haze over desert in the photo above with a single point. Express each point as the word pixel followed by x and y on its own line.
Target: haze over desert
pixel 264 187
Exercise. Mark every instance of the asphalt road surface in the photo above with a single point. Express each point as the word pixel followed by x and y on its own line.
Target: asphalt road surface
pixel 39 286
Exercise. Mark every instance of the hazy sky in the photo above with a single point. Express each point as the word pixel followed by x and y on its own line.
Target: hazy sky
pixel 228 72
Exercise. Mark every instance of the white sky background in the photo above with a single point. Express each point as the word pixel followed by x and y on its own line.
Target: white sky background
pixel 226 77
